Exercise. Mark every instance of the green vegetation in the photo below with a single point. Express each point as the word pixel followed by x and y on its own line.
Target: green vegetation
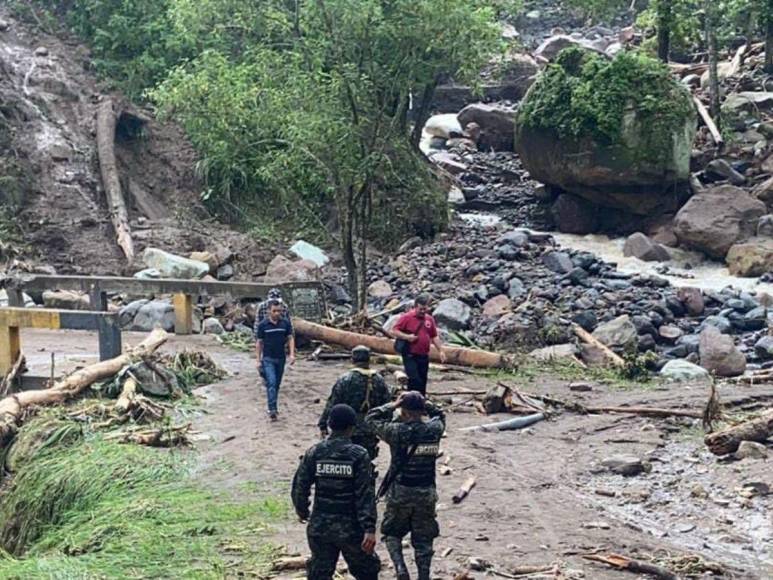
pixel 586 95
pixel 88 508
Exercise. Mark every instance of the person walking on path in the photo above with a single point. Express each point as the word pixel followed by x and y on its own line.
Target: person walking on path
pixel 409 487
pixel 417 327
pixel 343 520
pixel 273 335
pixel 363 389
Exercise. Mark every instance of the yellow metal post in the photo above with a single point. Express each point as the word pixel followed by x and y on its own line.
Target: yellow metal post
pixel 10 348
pixel 183 314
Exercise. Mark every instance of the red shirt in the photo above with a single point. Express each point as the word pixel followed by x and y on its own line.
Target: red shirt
pixel 422 326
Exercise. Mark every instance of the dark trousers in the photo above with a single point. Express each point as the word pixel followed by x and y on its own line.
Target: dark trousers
pixel 324 557
pixel 417 368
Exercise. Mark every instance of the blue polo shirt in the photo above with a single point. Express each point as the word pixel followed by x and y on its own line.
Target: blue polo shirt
pixel 274 336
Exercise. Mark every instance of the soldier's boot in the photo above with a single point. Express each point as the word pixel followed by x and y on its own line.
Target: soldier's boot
pixel 423 553
pixel 394 546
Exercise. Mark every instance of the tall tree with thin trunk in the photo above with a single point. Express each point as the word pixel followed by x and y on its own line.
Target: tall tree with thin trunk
pixel 711 43
pixel 665 17
pixel 769 37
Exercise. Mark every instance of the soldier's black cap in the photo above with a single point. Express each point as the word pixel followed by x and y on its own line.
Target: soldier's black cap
pixel 360 354
pixel 413 401
pixel 341 418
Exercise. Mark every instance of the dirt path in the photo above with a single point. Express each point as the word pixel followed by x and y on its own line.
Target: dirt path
pixel 537 500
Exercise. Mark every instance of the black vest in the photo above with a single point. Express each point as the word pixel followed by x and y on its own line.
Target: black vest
pixel 419 469
pixel 334 483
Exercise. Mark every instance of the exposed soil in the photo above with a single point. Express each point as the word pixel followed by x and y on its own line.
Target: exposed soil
pixel 49 99
pixel 537 499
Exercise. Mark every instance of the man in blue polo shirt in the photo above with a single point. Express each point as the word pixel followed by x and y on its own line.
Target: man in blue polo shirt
pixel 272 335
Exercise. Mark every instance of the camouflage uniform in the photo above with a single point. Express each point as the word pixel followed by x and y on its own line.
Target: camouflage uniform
pixel 412 497
pixel 344 507
pixel 363 390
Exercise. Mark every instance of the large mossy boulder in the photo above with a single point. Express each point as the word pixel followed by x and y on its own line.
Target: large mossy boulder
pixel 617 132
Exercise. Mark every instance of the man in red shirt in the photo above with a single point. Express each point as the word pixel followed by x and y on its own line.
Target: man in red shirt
pixel 418 329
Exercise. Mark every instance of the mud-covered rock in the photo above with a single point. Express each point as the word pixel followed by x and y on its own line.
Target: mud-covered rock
pixel 754 257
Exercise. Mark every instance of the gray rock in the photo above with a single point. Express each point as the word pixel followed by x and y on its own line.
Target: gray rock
pixel 4 25
pixel 497 124
pixel 574 215
pixel 152 314
pixel 453 314
pixel 515 238
pixel 551 47
pixel 722 168
pixel 516 289
pixel 380 289
pixel 716 219
pixel 558 262
pixel 212 326
pixel 718 354
pixel 751 450
pixel 225 272
pixel 765 226
pixel 586 320
pixel 173 266
pixel 127 313
pixel 627 465
pixel 755 319
pixel 640 246
pixel 507 252
pixel 147 274
pixel 555 352
pixel 763 348
pixel 619 333
pixel 280 269
pixel 749 101
pixel 66 300
pixel 681 370
pixel 692 298
pixel 41 51
pixel 26 298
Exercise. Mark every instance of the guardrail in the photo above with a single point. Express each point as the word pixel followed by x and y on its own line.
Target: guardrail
pixel 306 299
pixel 13 319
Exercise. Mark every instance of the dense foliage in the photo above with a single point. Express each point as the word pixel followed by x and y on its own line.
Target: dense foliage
pixel 301 110
pixel 586 95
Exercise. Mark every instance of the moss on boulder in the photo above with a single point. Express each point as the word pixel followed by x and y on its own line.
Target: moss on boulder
pixel 618 132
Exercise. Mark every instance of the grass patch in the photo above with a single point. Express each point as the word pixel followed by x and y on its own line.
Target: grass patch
pixel 98 509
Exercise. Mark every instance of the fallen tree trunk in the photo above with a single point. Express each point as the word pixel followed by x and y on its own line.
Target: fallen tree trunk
pixel 728 440
pixel 709 122
pixel 509 425
pixel 457 356
pixel 591 340
pixel 12 408
pixel 106 121
pixel 647 411
pixel 626 563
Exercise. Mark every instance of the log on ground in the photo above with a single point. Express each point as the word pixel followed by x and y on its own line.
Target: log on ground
pixel 457 356
pixel 106 121
pixel 728 440
pixel 12 408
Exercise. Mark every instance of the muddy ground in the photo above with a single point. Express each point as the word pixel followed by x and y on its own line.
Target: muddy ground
pixel 541 495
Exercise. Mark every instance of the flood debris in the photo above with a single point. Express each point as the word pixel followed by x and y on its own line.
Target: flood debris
pixel 729 439
pixel 625 563
pixel 465 489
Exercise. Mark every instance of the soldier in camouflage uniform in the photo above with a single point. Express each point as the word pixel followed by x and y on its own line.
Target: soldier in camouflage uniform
pixel 362 389
pixel 411 497
pixel 343 520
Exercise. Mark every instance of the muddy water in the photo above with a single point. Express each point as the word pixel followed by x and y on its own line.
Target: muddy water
pixel 685 269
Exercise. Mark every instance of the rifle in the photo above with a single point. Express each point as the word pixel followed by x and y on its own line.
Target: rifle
pixel 392 474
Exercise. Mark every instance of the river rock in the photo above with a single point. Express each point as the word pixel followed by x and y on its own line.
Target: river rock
pixel 682 370
pixel 551 47
pixel 558 262
pixel 310 252
pixel 149 315
pixel 764 190
pixel 627 465
pixel 751 450
pixel 66 300
pixel 444 126
pixel 618 334
pixel 721 323
pixel 497 307
pixel 670 333
pixel 640 246
pixel 763 348
pixel 212 326
pixel 380 289
pixel 515 238
pixel 748 101
pixel 280 269
pixel 721 168
pixel 208 258
pixel 765 226
pixel 692 298
pixel 453 314
pixel 714 220
pixel 497 124
pixel 751 258
pixel 574 215
pixel 586 319
pixel 719 354
pixel 173 266
pixel 225 272
pixel 555 352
